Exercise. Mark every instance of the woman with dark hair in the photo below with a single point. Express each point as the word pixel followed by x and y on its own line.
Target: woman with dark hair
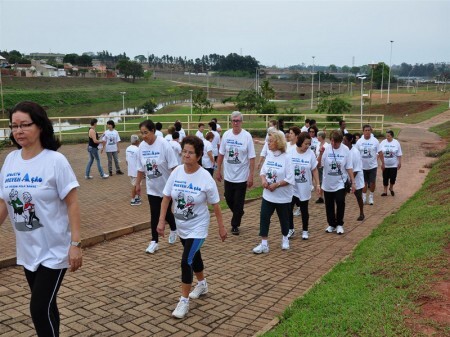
pixel 192 188
pixel 392 152
pixel 112 139
pixel 336 161
pixel 208 161
pixel 216 140
pixel 304 167
pixel 156 162
pixel 312 131
pixel 94 142
pixel 47 223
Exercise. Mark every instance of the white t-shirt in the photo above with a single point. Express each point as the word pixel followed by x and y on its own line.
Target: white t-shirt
pixel 357 167
pixel 132 159
pixel 176 147
pixel 264 150
pixel 345 130
pixel 159 133
pixel 215 143
pixel 111 137
pixel 276 168
pixel 368 148
pixel 302 166
pixel 304 128
pixel 168 137
pixel 237 151
pixel 314 144
pixel 34 192
pixel 182 135
pixel 191 194
pixel 289 147
pixel 207 147
pixel 335 167
pixel 156 161
pixel 218 127
pixel 325 145
pixel 199 134
pixel 391 151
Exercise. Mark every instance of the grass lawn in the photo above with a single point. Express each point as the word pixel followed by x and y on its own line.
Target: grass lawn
pixel 371 292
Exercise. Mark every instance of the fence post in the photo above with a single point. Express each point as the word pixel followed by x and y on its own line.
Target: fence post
pixel 60 133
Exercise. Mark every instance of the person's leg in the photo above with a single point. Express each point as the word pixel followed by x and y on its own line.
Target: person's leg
pixel 116 161
pixel 373 179
pixel 239 197
pixel 385 181
pixel 109 156
pixel 89 164
pixel 291 214
pixel 358 195
pixel 340 206
pixel 44 285
pixel 366 181
pixel 170 217
pixel 191 253
pixel 155 209
pixel 94 152
pixel 329 208
pixel 267 209
pixel 305 214
pixel 283 211
pixel 392 178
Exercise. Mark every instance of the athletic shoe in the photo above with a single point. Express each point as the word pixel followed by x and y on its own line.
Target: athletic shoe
pixel 235 230
pixel 291 233
pixel 172 237
pixel 320 201
pixel 119 172
pixel 135 203
pixel 285 244
pixel 88 177
pixel 330 229
pixel 305 235
pixel 200 289
pixel 105 176
pixel 181 310
pixel 152 247
pixel 138 199
pixel 364 198
pixel 259 249
pixel 340 230
pixel 297 212
pixel 370 199
pixel 360 218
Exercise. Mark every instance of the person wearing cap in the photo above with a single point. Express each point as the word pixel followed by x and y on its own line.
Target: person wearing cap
pixel 132 162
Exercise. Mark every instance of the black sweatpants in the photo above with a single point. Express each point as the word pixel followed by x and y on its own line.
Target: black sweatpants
pixel 155 211
pixel 304 212
pixel 335 217
pixel 44 285
pixel 235 198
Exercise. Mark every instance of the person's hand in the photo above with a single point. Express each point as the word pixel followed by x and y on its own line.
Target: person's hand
pixel 265 184
pixel 318 190
pixel 272 187
pixel 137 188
pixel 75 258
pixel 223 233
pixel 219 176
pixel 161 227
pixel 399 166
pixel 353 188
pixel 250 181
pixel 382 166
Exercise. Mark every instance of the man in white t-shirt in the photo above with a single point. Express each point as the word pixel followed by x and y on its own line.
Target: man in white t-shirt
pixel 158 131
pixel 305 127
pixel 237 154
pixel 199 133
pixel 132 161
pixel 176 147
pixel 342 127
pixel 369 148
pixel 180 130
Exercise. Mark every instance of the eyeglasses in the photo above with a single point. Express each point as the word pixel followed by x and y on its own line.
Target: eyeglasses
pixel 236 120
pixel 24 126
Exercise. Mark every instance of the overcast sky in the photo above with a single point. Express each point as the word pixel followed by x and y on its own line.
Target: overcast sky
pixel 280 33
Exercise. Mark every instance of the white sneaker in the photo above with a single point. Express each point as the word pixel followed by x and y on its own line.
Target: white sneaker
pixel 330 229
pixel 340 230
pixel 181 310
pixel 364 198
pixel 105 176
pixel 259 249
pixel 88 177
pixel 291 233
pixel 297 212
pixel 285 244
pixel 172 237
pixel 371 199
pixel 152 247
pixel 200 289
pixel 305 235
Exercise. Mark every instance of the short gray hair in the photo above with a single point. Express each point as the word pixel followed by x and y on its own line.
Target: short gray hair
pixel 237 114
pixel 322 134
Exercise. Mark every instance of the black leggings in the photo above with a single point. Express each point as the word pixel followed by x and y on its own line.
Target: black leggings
pixel 235 198
pixel 389 174
pixel 335 216
pixel 155 211
pixel 44 285
pixel 191 261
pixel 304 212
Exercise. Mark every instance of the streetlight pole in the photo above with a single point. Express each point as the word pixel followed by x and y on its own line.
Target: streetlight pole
pixel 123 99
pixel 372 65
pixel 362 78
pixel 382 79
pixel 1 92
pixel 312 84
pixel 389 81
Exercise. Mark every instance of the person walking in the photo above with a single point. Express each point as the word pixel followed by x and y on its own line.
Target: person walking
pixel 237 155
pixel 277 179
pixel 111 139
pixel 94 142
pixel 215 142
pixel 132 159
pixel 321 137
pixel 156 162
pixel 193 188
pixel 47 226
pixel 392 153
pixel 208 161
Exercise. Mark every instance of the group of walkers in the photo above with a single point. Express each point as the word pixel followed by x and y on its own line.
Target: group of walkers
pixel 179 189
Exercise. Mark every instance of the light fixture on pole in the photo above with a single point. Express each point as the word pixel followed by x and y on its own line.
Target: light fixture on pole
pixel 312 84
pixel 123 93
pixel 389 81
pixel 362 77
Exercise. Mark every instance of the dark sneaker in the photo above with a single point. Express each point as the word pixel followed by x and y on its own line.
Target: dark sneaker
pixel 235 230
pixel 119 172
pixel 319 201
pixel 110 173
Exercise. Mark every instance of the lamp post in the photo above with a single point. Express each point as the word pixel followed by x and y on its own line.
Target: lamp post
pixel 123 93
pixel 382 80
pixel 372 66
pixel 1 93
pixel 312 84
pixel 362 78
pixel 389 81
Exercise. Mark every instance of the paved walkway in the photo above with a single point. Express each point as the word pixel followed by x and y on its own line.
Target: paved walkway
pixel 121 291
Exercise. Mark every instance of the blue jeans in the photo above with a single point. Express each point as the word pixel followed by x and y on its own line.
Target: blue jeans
pixel 93 154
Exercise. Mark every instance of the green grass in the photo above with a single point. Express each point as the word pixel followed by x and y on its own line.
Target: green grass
pixel 442 130
pixel 370 292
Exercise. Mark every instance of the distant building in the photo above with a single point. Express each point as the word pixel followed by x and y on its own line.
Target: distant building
pixel 45 56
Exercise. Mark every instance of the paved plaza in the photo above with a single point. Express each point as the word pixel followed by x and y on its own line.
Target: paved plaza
pixel 121 291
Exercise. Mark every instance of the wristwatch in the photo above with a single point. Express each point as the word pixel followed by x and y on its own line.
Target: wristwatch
pixel 75 243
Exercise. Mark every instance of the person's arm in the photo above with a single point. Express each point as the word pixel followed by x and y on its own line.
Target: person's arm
pixel 219 176
pixel 264 182
pixel 209 153
pixel 352 179
pixel 316 180
pixel 162 215
pixel 251 173
pixel 3 211
pixel 380 154
pixel 139 177
pixel 73 212
pixel 399 165
pixel 218 214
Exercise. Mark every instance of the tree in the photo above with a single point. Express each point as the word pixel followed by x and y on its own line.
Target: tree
pixel 380 73
pixel 200 103
pixel 130 68
pixel 335 106
pixel 84 61
pixel 267 91
pixel 333 68
pixel 140 59
pixel 248 100
pixel 149 107
pixel 70 58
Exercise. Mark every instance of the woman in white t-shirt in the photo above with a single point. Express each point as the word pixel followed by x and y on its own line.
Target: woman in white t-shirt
pixel 191 188
pixel 321 136
pixel 39 191
pixel 336 161
pixel 216 140
pixel 392 152
pixel 111 140
pixel 312 131
pixel 304 167
pixel 277 178
pixel 208 161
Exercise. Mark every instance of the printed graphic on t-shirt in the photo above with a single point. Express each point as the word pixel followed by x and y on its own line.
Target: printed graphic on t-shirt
pixel 184 209
pixel 335 165
pixel 111 140
pixel 271 176
pixel 152 169
pixel 388 153
pixel 300 174
pixel 233 156
pixel 367 153
pixel 25 218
